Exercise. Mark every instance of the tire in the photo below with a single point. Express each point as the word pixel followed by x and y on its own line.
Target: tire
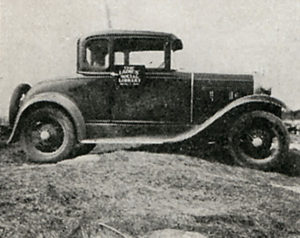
pixel 258 140
pixel 47 135
pixel 14 104
pixel 82 149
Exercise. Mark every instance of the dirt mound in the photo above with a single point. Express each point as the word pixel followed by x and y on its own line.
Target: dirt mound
pixel 138 192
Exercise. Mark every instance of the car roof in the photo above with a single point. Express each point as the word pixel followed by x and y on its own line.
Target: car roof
pixel 131 33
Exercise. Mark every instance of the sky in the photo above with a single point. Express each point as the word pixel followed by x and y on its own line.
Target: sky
pixel 38 38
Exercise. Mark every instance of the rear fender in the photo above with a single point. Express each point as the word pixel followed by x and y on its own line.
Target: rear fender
pixel 58 100
pixel 244 104
pixel 15 101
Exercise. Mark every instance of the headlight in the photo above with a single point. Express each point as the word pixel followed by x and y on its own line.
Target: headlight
pixel 261 90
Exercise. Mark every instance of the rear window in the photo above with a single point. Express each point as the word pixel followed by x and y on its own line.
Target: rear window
pixel 96 54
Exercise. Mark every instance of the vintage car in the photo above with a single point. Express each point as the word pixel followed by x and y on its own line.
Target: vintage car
pixel 127 91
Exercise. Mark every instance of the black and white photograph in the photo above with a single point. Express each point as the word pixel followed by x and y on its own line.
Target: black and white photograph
pixel 149 118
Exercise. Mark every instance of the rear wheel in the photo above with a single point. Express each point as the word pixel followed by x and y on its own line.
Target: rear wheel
pixel 82 149
pixel 258 140
pixel 47 135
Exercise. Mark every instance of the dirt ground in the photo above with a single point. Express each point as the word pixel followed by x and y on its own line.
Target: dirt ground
pixel 143 189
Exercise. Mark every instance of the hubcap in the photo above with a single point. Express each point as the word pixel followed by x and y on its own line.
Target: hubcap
pixel 257 142
pixel 45 135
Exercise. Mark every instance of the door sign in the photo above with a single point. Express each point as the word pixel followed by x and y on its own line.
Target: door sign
pixel 129 76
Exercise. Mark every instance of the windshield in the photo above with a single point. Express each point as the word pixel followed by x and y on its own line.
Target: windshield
pixel 178 60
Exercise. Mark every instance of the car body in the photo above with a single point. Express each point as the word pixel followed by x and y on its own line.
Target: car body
pixel 127 91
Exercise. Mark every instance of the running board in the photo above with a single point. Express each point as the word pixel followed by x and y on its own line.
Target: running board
pixel 145 139
pixel 127 140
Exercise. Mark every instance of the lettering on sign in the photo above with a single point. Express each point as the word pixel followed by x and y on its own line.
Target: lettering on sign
pixel 129 76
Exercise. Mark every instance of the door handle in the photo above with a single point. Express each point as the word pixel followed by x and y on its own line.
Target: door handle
pixel 113 74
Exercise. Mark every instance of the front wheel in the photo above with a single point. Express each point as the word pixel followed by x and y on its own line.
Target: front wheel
pixel 258 140
pixel 47 135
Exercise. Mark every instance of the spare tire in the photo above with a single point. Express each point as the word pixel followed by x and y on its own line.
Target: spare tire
pixel 14 104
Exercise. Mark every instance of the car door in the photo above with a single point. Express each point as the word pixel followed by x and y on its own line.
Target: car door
pixel 143 95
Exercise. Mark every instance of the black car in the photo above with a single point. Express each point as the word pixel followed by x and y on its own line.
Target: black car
pixel 127 91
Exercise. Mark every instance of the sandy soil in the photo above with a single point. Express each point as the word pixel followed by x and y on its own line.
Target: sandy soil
pixel 144 189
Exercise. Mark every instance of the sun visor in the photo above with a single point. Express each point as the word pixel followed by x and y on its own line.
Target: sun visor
pixel 177 45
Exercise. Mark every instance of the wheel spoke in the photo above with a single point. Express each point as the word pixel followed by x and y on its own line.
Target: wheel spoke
pixel 257 142
pixel 46 135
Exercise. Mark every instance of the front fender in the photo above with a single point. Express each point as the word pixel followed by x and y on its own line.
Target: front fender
pixel 258 98
pixel 54 98
pixel 251 99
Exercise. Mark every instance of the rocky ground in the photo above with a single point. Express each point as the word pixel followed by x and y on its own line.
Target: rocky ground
pixel 146 192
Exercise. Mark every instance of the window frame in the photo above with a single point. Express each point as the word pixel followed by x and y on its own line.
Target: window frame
pixel 84 66
pixel 86 69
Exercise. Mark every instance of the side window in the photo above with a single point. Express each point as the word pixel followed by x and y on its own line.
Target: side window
pixel 119 58
pixel 97 56
pixel 151 59
pixel 149 52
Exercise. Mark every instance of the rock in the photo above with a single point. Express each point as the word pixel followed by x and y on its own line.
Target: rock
pixel 172 233
pixel 298 225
